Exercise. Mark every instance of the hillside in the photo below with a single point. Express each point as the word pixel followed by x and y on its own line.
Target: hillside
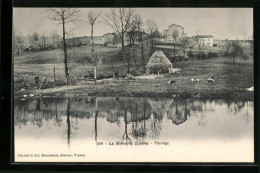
pixel 76 55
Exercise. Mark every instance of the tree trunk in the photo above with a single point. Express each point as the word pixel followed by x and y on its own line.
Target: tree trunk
pixel 174 47
pixel 143 66
pixel 93 55
pixel 91 37
pixel 134 58
pixel 65 53
pixel 123 48
pixel 95 73
pixel 129 56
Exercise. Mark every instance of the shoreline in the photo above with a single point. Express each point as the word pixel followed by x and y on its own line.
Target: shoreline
pixel 79 91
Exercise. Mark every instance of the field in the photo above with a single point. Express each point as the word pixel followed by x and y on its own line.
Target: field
pixel 231 79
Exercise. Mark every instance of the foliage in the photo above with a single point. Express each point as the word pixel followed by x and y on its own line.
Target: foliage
pixel 184 43
pixel 201 55
pixel 212 55
pixel 233 48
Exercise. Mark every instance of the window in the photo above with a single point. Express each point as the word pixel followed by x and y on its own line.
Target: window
pixel 208 44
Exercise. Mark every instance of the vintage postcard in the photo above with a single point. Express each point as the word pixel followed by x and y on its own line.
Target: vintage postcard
pixel 133 85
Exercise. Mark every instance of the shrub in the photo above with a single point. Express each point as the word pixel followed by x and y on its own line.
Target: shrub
pixel 191 55
pixel 244 56
pixel 201 55
pixel 135 72
pixel 116 74
pixel 60 82
pixel 212 55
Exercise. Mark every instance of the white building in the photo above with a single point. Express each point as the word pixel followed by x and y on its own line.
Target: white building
pixel 205 40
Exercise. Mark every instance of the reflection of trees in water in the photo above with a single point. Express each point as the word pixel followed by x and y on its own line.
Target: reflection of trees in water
pixel 235 107
pixel 68 121
pixel 96 116
pixel 21 107
pixel 138 119
pixel 125 135
pixel 155 125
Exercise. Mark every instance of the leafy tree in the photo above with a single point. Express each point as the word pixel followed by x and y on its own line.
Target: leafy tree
pixel 184 43
pixel 234 49
pixel 175 36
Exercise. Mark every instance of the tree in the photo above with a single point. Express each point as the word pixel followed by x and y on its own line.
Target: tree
pixel 34 39
pixel 43 41
pixel 92 17
pixel 119 20
pixel 152 30
pixel 184 43
pixel 64 16
pixel 175 36
pixel 234 49
pixel 19 42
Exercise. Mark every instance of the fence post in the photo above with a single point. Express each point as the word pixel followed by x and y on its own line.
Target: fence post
pixel 54 76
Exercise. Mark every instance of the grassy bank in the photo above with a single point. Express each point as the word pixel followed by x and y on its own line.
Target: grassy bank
pixel 231 82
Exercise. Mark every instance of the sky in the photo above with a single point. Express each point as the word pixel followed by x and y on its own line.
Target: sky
pixel 222 23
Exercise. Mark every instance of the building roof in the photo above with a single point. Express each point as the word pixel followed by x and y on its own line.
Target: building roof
pixel 203 36
pixel 176 25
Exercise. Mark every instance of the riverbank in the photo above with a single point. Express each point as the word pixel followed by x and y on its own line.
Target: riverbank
pixel 231 82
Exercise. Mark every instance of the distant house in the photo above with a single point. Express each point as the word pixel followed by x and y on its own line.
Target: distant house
pixel 78 41
pixel 173 30
pixel 204 40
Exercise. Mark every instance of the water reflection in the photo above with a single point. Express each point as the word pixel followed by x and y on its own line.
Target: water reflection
pixel 129 119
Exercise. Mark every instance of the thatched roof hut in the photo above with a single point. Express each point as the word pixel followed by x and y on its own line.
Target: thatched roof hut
pixel 158 62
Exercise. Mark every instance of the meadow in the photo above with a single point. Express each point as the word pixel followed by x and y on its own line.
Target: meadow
pixel 232 80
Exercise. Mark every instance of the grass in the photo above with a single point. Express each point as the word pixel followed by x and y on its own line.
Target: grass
pixel 76 55
pixel 231 80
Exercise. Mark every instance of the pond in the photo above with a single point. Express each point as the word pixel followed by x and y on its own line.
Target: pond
pixel 117 129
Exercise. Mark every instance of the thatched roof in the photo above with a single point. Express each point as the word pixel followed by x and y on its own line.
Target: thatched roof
pixel 158 61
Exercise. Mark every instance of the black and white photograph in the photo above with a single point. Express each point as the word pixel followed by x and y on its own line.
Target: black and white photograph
pixel 133 85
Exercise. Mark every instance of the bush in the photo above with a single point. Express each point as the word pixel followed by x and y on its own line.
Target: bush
pixel 88 74
pixel 104 75
pixel 191 55
pixel 212 55
pixel 23 82
pixel 201 55
pixel 60 82
pixel 244 56
pixel 116 74
pixel 135 72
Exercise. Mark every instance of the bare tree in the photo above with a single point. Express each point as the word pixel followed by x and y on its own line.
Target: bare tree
pixel 152 30
pixel 92 17
pixel 119 20
pixel 64 16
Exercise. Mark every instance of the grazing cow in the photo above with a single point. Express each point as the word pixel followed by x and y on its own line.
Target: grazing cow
pixel 194 80
pixel 211 80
